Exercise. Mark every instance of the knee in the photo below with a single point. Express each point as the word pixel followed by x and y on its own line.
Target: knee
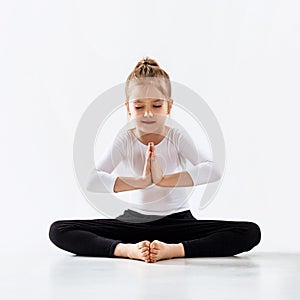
pixel 253 234
pixel 54 231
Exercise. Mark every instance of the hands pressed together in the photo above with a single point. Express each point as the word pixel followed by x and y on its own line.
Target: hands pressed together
pixel 152 172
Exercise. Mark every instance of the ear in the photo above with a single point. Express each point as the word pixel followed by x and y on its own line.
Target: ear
pixel 127 106
pixel 170 104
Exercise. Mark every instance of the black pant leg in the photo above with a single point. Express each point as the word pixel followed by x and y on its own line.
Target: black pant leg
pixel 97 237
pixel 231 239
pixel 208 237
pixel 200 238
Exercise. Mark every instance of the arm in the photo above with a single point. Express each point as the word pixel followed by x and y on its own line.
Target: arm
pixel 101 179
pixel 172 180
pixel 124 184
pixel 132 183
pixel 203 170
pixel 176 179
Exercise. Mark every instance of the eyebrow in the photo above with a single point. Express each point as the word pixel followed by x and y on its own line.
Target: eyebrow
pixel 139 101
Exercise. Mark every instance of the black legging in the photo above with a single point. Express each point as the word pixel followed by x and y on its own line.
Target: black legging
pixel 200 238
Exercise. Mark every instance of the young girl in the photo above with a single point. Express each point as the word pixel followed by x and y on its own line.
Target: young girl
pixel 160 225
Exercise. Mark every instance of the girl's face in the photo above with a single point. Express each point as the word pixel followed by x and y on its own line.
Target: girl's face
pixel 149 114
pixel 148 106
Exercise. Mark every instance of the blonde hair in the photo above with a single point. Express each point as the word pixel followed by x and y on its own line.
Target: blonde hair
pixel 147 68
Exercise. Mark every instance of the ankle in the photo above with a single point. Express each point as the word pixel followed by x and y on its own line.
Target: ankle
pixel 121 250
pixel 180 250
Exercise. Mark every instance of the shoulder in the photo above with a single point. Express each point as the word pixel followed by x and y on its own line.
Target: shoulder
pixel 122 137
pixel 178 134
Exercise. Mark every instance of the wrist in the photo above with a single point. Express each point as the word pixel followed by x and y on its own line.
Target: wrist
pixel 161 182
pixel 145 181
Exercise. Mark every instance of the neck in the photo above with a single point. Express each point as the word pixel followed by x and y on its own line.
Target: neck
pixel 146 137
pixel 141 133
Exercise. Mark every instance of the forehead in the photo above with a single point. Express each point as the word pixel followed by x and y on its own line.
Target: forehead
pixel 143 91
pixel 141 101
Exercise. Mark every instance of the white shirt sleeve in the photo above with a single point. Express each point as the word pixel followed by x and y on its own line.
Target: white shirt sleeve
pixel 204 170
pixel 101 179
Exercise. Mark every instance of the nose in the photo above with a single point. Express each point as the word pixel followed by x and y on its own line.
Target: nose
pixel 148 112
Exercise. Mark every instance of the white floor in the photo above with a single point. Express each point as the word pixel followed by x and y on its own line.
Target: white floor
pixel 62 275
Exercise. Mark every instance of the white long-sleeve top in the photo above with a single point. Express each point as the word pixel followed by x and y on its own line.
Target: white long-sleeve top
pixel 172 154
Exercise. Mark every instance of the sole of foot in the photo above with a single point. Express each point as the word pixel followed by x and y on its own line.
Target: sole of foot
pixel 160 250
pixel 139 251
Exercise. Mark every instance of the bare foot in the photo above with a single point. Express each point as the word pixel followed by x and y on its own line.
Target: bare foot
pixel 139 250
pixel 160 250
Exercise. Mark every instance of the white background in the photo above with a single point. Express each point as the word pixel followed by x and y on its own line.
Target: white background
pixel 242 57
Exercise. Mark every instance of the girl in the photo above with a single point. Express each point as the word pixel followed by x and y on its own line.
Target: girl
pixel 160 225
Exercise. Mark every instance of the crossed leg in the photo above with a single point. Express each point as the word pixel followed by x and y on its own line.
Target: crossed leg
pixel 195 238
pixel 170 238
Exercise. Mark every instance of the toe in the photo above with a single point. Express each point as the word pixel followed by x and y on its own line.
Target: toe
pixel 153 256
pixel 141 244
pixel 154 245
pixel 145 243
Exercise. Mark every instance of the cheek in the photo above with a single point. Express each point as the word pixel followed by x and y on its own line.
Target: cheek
pixel 163 112
pixel 161 119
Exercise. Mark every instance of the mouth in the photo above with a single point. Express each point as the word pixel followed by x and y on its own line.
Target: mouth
pixel 148 122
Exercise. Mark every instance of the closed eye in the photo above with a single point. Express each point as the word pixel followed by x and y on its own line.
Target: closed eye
pixel 156 106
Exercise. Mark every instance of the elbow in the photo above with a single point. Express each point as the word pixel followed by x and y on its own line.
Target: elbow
pixel 100 182
pixel 205 172
pixel 213 171
pixel 216 174
pixel 89 186
pixel 91 182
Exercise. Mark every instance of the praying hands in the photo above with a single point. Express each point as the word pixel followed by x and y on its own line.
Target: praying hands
pixel 152 171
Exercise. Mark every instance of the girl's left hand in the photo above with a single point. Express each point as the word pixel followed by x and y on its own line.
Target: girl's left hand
pixel 156 172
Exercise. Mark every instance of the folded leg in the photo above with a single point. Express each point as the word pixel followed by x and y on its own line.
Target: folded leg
pixel 205 238
pixel 97 237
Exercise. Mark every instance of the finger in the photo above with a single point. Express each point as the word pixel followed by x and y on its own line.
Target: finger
pixel 152 155
pixel 148 155
pixel 152 146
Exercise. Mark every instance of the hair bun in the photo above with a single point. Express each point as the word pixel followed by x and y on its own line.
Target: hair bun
pixel 145 68
pixel 147 61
